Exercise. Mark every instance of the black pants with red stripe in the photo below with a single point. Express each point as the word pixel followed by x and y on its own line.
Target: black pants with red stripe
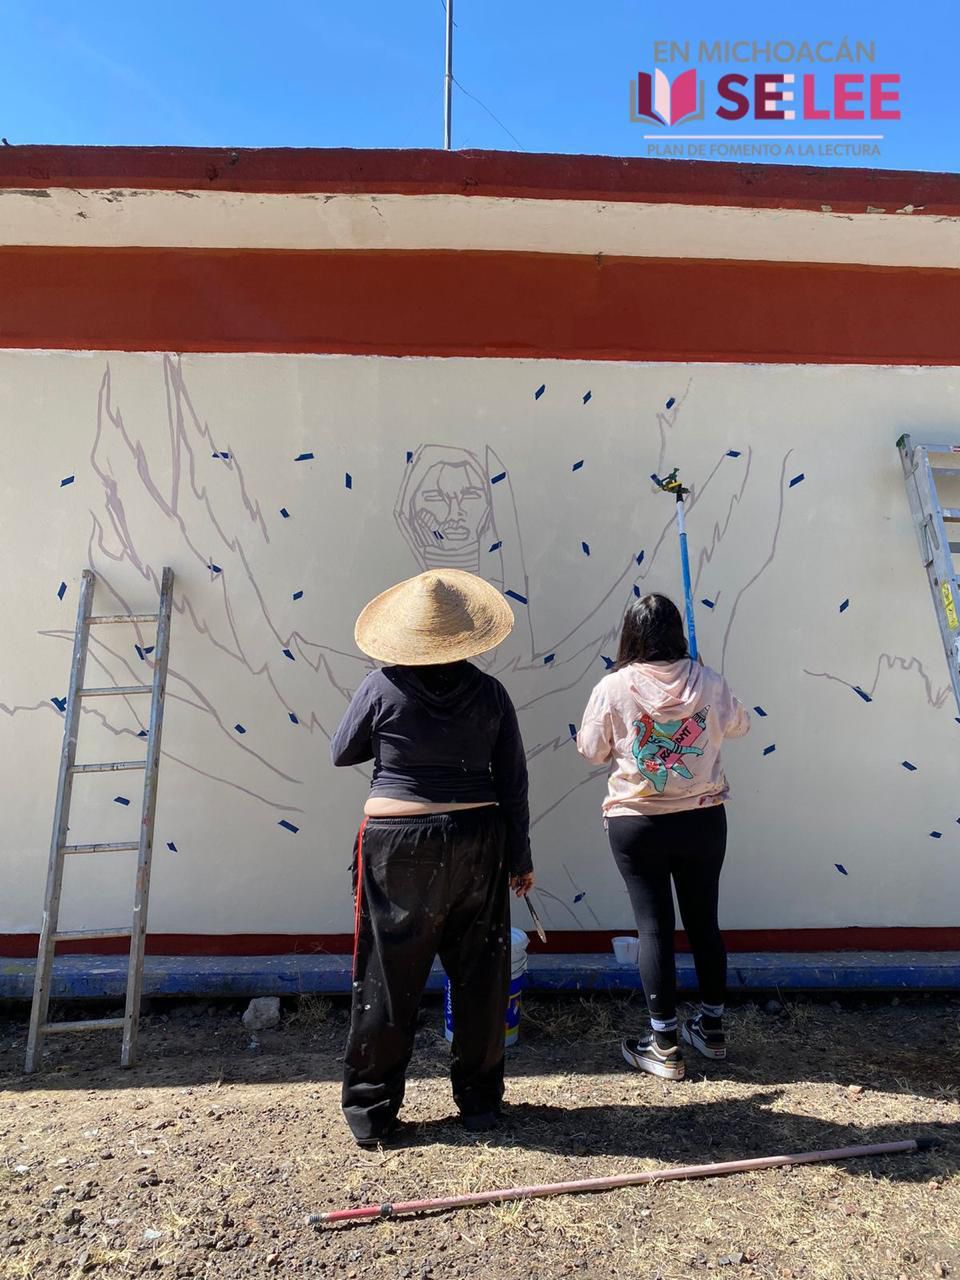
pixel 427 885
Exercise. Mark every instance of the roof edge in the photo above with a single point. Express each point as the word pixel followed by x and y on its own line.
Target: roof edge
pixel 507 174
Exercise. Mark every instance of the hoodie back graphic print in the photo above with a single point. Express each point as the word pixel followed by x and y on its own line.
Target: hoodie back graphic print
pixel 661 724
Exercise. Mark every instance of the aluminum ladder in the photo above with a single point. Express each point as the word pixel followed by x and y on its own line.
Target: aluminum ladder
pixel 59 849
pixel 930 518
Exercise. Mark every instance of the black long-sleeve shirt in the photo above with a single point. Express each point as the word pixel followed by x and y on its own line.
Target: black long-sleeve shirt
pixel 441 735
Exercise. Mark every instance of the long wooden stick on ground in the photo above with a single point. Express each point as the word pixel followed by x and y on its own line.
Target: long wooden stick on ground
pixel 616 1180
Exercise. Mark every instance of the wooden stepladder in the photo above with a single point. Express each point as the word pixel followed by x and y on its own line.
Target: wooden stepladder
pixel 60 850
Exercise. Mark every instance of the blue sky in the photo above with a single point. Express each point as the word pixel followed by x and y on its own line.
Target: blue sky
pixel 367 73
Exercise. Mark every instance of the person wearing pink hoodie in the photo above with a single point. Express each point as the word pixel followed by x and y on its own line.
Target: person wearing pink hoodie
pixel 660 718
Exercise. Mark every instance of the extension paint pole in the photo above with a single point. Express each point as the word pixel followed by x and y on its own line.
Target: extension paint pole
pixel 671 484
pixel 687 587
pixel 616 1180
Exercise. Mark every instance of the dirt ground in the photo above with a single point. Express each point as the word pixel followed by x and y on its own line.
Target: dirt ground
pixel 206 1159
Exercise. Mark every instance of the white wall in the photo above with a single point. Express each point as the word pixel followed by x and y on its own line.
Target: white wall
pixel 138 432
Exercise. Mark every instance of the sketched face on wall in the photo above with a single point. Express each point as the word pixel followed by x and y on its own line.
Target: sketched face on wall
pixel 444 508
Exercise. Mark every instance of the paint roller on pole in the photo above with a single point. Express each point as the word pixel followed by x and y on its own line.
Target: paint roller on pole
pixel 671 484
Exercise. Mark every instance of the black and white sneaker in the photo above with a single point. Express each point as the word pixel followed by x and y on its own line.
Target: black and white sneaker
pixel 646 1055
pixel 710 1042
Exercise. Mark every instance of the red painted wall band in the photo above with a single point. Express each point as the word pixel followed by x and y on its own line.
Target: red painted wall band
pixel 564 942
pixel 485 173
pixel 475 303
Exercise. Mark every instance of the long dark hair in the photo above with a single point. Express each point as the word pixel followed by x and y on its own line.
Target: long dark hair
pixel 652 632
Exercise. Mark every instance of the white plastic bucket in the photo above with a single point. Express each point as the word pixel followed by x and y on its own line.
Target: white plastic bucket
pixel 518 974
pixel 626 950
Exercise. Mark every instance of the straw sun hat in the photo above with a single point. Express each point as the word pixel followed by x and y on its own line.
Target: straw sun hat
pixel 443 615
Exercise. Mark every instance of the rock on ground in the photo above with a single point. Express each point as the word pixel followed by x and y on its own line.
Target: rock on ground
pixel 262 1013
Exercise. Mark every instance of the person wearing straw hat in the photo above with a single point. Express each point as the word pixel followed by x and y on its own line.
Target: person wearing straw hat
pixel 445 833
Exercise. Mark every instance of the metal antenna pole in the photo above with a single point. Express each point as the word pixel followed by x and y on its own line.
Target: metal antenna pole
pixel 448 79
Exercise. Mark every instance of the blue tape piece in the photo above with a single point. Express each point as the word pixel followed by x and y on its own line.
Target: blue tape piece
pixel 172 847
pixel 67 480
pixel 733 453
pixel 760 712
pixel 120 800
pixel 936 835
pixel 549 657
pixel 573 734
pixel 348 479
pixel 140 653
pixel 579 898
pixel 496 546
pixel 409 455
pixel 577 465
pixel 588 395
pixel 303 457
pixel 239 728
pixel 841 868
pixel 671 402
pixel 293 718
pixel 59 703
pixel 438 535
pixel 298 595
pixel 214 568
pixel 288 654
pixel 770 750
pixel 515 595
pixel 539 391
pixel 636 591
pixel 861 693
pixel 221 453
pixel 585 548
pixel 502 475
pixel 711 604
pixel 62 590
pixel 844 605
pixel 608 662
pixel 285 513
pixel 640 557
pixel 912 768
pixel 142 734
pixel 796 480
pixel 288 826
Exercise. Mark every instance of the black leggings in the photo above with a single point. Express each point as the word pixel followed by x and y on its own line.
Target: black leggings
pixel 688 847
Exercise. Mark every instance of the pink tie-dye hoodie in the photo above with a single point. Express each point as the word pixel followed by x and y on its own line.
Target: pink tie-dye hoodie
pixel 662 725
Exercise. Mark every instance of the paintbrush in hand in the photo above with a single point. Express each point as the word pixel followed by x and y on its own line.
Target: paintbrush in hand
pixel 536 919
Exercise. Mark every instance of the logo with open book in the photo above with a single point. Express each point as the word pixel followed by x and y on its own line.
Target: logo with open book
pixel 654 99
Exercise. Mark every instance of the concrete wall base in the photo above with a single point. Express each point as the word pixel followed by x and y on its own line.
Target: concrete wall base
pixel 104 977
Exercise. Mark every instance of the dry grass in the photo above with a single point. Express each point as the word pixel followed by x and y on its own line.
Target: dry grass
pixel 595 1018
pixel 311 1014
pixel 223 1152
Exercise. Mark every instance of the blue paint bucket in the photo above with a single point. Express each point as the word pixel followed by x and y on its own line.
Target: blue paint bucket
pixel 518 976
